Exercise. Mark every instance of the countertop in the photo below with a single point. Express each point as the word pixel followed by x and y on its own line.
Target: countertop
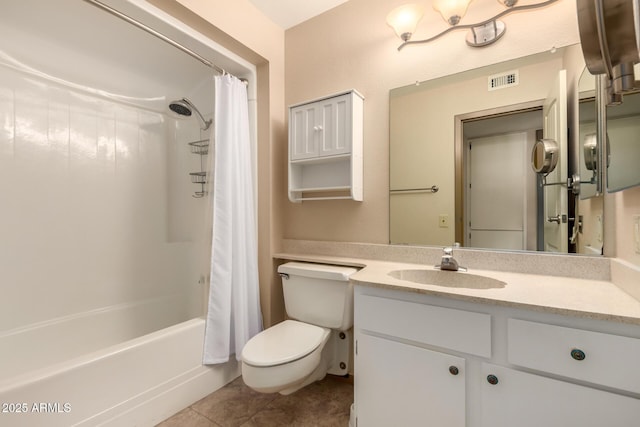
pixel 579 297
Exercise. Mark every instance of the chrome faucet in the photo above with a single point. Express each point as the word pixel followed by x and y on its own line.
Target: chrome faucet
pixel 448 262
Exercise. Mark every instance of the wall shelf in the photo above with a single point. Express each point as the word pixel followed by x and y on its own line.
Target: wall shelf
pixel 322 189
pixel 302 199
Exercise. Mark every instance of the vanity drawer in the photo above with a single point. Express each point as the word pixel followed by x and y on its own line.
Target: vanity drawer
pixel 458 330
pixel 608 360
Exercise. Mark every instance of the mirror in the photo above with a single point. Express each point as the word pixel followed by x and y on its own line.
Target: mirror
pixel 430 119
pixel 544 156
pixel 590 209
pixel 623 130
pixel 614 55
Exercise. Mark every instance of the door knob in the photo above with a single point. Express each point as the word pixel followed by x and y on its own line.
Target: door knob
pixel 557 219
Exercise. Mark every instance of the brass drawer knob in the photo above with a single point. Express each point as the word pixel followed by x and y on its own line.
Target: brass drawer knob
pixel 578 354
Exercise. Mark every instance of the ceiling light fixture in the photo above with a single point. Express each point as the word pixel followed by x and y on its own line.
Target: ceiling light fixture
pixel 404 21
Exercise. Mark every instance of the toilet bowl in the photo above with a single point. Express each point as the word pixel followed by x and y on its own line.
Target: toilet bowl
pixel 283 356
pixel 314 342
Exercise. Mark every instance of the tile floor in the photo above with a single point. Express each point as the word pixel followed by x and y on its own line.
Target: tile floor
pixel 324 403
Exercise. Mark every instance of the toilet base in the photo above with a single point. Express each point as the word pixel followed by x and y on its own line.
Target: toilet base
pixel 317 375
pixel 334 360
pixel 341 357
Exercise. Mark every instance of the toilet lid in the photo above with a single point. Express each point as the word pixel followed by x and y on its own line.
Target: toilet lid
pixel 285 342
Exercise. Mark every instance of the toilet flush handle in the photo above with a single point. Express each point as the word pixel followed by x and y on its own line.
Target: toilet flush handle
pixel 284 276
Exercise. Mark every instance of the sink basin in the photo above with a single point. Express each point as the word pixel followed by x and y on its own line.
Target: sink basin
pixel 450 279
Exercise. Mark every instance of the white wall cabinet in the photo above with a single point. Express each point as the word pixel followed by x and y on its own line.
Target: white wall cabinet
pixel 513 367
pixel 325 148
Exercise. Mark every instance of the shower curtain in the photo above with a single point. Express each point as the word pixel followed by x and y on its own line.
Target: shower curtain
pixel 233 315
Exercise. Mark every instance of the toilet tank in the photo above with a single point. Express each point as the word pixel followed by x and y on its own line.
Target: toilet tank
pixel 318 294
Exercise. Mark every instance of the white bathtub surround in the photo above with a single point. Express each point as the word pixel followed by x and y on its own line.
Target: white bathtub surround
pixel 234 314
pixel 84 217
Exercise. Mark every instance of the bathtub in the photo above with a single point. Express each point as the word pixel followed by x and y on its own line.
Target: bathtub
pixel 140 381
pixel 102 242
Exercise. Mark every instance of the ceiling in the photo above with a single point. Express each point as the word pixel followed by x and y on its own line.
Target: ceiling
pixel 289 13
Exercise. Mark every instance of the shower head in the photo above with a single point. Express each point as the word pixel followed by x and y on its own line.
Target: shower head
pixel 180 107
pixel 184 107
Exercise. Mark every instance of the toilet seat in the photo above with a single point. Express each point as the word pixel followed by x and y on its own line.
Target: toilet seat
pixel 283 343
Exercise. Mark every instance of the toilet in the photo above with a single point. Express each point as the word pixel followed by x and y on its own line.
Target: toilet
pixel 313 341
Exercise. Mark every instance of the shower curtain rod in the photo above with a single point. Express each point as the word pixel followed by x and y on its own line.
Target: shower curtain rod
pixel 159 35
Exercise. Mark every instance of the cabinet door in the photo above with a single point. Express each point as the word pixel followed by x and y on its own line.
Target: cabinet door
pixel 402 385
pixel 527 400
pixel 334 126
pixel 304 131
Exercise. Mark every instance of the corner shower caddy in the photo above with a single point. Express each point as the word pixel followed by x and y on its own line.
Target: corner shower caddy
pixel 200 147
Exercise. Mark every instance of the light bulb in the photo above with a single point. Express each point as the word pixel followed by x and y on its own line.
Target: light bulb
pixel 452 10
pixel 404 19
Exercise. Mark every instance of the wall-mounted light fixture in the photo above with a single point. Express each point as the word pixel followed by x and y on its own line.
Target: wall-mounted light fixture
pixel 404 21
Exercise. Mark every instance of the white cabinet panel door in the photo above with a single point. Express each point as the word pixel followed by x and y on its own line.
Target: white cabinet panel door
pixel 525 400
pixel 303 132
pixel 335 125
pixel 402 385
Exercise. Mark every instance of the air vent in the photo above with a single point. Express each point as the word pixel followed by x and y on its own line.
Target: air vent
pixel 504 80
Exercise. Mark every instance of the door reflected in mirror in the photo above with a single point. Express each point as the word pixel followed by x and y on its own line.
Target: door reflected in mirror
pixel 499 188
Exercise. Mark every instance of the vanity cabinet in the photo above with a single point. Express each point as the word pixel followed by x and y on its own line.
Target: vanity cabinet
pixel 513 367
pixel 325 148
